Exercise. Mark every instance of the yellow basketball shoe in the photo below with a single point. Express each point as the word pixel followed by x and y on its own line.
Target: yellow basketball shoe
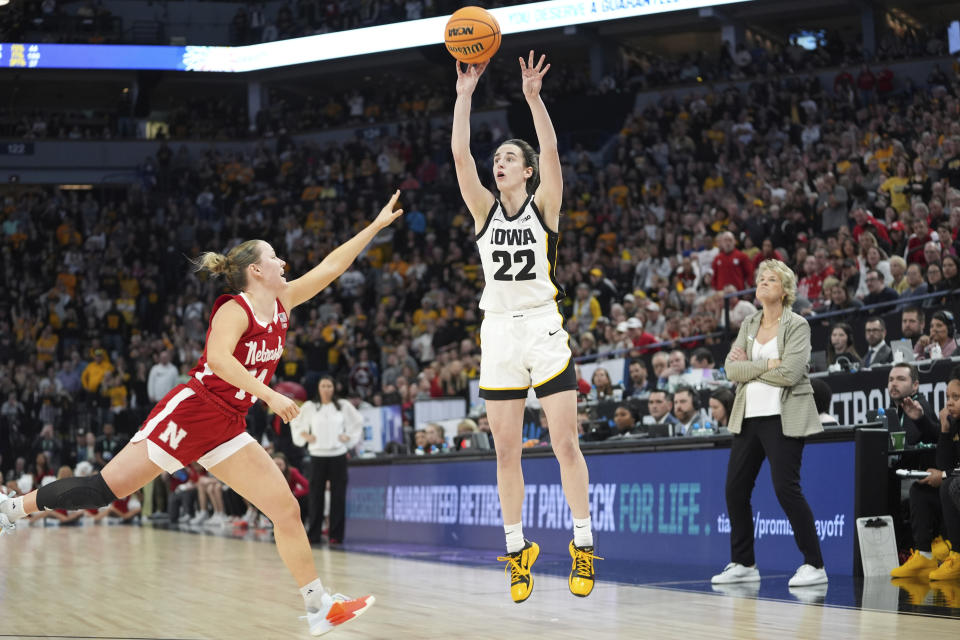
pixel 940 548
pixel 581 573
pixel 518 567
pixel 916 588
pixel 916 566
pixel 949 570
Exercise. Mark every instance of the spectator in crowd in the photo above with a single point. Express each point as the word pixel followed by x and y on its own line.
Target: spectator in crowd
pixel 603 388
pixel 182 497
pixel 586 308
pixel 94 373
pixel 655 321
pixel 912 320
pixel 916 285
pixel 660 408
pixel 702 358
pixel 878 292
pixel 677 363
pixel 329 427
pixel 903 382
pixel 940 341
pixel 638 386
pixel 686 409
pixel 109 444
pixel 299 485
pixel 878 351
pixel 898 275
pixel 625 423
pixel 48 444
pixel 934 276
pixel 163 377
pixel 661 369
pixel 841 350
pixel 721 404
pixel 731 266
pixel 436 440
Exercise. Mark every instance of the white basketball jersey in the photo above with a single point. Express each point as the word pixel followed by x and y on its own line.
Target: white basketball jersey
pixel 519 257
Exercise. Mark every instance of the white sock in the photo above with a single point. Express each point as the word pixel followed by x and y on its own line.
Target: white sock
pixel 927 554
pixel 13 509
pixel 582 533
pixel 514 535
pixel 313 595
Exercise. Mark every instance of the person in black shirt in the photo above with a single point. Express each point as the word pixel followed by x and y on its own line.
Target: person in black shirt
pixel 932 509
pixel 903 382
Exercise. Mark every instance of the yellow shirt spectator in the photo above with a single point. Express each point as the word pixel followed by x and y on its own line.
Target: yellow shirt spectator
pixel 93 374
pixel 895 187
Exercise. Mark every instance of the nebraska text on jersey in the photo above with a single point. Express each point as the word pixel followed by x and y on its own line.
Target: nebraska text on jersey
pixel 260 353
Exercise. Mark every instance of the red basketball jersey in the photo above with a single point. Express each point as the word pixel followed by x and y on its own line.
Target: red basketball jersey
pixel 259 350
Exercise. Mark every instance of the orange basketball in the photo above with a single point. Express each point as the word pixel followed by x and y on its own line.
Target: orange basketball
pixel 472 35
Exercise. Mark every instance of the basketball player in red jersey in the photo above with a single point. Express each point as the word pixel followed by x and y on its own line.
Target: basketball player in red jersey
pixel 204 420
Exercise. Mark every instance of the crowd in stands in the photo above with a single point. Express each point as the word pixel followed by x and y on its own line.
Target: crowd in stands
pixel 61 21
pixel 389 98
pixel 857 190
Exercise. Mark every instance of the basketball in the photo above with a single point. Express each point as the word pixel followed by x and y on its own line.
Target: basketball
pixel 472 35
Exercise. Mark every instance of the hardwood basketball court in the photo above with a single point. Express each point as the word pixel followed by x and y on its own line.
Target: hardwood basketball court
pixel 141 582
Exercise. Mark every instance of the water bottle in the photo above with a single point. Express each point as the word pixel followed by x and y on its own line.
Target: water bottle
pixel 419 451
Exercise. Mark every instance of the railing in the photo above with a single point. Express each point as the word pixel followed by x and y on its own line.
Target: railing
pixel 727 333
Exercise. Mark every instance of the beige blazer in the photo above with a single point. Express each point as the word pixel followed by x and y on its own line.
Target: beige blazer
pixel 798 411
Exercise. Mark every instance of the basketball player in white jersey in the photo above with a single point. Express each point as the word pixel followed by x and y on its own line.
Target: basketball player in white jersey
pixel 522 339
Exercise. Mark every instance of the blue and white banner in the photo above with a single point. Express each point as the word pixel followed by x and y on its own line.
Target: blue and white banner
pixel 662 507
pixel 342 44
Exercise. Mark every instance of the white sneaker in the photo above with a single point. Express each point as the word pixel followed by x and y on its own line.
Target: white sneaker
pixel 807 576
pixel 338 609
pixel 200 518
pixel 736 572
pixel 250 517
pixel 216 520
pixel 738 589
pixel 264 522
pixel 6 525
pixel 814 594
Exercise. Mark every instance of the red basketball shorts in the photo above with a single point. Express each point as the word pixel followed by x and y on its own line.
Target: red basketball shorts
pixel 191 424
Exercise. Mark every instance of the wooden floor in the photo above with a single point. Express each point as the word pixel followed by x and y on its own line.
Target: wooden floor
pixel 133 582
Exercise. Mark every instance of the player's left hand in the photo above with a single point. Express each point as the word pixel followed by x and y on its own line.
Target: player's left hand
pixel 388 214
pixel 533 75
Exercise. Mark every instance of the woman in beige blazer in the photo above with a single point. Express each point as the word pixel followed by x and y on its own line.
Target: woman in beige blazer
pixel 772 414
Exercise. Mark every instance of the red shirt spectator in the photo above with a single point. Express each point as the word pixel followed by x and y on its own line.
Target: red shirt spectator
pixel 731 266
pixel 919 237
pixel 299 485
pixel 865 221
pixel 866 81
pixel 885 81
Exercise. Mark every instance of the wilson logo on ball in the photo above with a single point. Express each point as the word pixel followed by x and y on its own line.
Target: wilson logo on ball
pixel 472 35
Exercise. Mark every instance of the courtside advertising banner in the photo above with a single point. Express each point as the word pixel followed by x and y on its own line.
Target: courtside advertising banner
pixel 662 507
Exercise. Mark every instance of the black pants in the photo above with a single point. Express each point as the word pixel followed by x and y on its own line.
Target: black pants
pixel 321 470
pixel 761 438
pixel 926 515
pixel 951 511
